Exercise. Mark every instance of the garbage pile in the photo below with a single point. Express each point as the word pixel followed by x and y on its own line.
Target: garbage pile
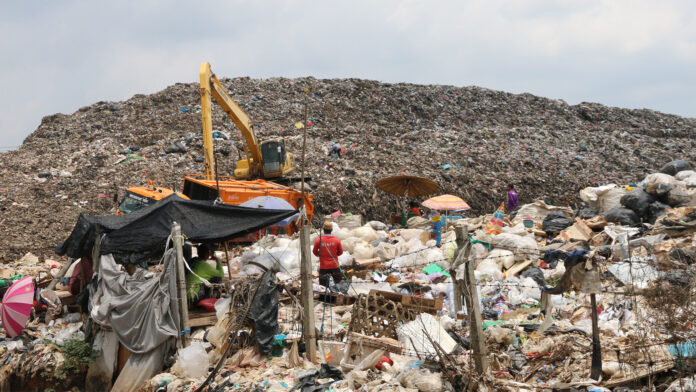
pixel 471 140
pixel 641 276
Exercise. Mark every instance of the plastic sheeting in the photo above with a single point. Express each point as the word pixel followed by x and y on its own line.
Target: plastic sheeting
pixel 264 312
pixel 142 312
pixel 140 235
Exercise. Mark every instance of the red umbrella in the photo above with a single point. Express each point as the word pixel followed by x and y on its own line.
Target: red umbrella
pixel 16 306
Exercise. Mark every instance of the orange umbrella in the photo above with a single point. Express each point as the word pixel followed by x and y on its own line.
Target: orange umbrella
pixel 446 203
pixel 411 186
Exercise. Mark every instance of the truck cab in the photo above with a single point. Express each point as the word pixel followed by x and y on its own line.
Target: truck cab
pixel 137 197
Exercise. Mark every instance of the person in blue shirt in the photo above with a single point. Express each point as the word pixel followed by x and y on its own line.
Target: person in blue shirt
pixel 437 229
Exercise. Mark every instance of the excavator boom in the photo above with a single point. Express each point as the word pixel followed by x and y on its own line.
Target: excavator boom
pixel 210 85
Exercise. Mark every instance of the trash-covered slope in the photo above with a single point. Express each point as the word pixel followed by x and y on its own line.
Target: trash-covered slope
pixel 74 163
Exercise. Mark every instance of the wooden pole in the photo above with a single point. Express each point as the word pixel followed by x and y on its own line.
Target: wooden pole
pixel 181 282
pixel 473 308
pixel 61 273
pixel 596 369
pixel 308 327
pixel 227 256
pixel 304 146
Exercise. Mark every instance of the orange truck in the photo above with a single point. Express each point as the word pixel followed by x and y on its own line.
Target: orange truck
pixel 265 160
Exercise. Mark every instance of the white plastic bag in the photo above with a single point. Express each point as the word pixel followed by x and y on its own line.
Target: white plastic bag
pixel 363 251
pixel 345 259
pixel 377 225
pixel 365 233
pixel 386 251
pixel 502 257
pixel 192 361
pixel 524 248
pixel 658 183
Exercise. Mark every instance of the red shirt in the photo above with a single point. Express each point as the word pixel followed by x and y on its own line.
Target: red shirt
pixel 415 210
pixel 330 250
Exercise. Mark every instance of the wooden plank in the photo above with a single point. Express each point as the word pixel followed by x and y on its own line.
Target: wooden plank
pixel 583 226
pixel 367 263
pixel 66 298
pixel 515 269
pixel 202 319
pixel 334 298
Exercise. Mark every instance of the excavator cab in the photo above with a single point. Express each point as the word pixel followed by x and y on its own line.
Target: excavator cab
pixel 274 157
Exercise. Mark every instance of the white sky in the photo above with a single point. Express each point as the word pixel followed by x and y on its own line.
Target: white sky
pixel 60 56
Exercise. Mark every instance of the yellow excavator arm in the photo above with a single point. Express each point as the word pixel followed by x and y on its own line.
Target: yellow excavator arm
pixel 210 85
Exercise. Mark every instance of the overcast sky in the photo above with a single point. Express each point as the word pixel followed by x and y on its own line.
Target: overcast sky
pixel 60 56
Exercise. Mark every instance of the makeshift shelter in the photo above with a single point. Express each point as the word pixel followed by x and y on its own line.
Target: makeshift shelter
pixel 144 312
pixel 142 235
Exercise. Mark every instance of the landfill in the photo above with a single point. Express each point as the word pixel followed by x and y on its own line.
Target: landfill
pixel 587 286
pixel 472 141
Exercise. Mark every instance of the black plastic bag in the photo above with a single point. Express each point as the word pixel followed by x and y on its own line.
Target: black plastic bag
pixel 623 216
pixel 638 201
pixel 556 221
pixel 536 274
pixel 264 312
pixel 307 383
pixel 656 210
pixel 675 167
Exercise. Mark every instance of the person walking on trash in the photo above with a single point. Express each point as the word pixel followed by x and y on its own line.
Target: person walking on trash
pixel 512 201
pixel 335 149
pixel 328 248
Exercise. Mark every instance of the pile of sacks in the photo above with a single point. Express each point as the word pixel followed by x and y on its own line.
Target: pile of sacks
pixel 372 242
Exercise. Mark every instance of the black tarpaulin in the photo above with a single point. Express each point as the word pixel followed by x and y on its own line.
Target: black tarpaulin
pixel 135 237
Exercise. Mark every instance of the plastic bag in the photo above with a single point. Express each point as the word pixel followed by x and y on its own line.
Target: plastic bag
pixel 192 361
pixel 602 198
pixel 556 221
pixel 524 248
pixel 658 183
pixel 341 234
pixel 679 195
pixel 365 233
pixel 345 259
pixel 502 257
pixel 489 267
pixel 684 174
pixel 363 251
pixel 638 201
pixel 386 251
pixel 421 379
pixel 409 234
pixel 349 243
pixel 623 216
pixel 377 225
pixel 675 167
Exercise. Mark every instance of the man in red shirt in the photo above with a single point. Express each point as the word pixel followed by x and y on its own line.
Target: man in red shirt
pixel 328 248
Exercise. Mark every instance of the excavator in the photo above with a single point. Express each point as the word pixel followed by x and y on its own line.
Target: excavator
pixel 264 160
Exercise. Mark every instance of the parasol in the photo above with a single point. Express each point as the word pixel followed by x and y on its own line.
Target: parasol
pixel 16 306
pixel 411 186
pixel 446 203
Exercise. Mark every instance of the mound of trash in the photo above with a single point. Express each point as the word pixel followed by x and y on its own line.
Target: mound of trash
pixel 471 141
